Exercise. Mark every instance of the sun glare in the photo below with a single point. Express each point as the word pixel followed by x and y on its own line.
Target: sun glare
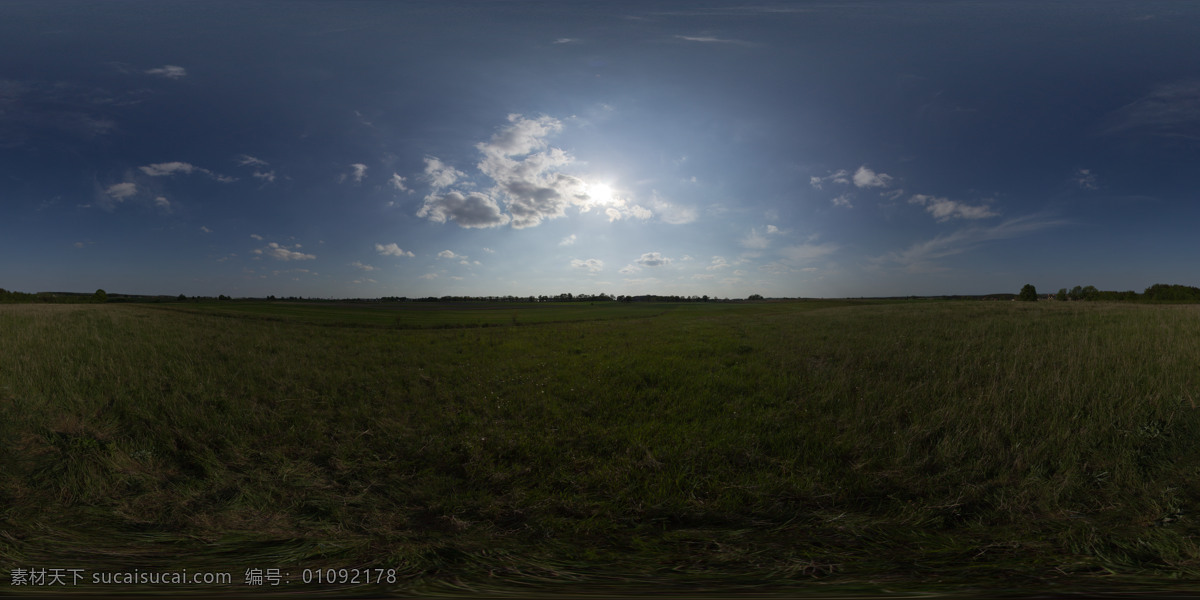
pixel 600 193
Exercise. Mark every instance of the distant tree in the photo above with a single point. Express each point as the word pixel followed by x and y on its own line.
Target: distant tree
pixel 1062 294
pixel 1161 292
pixel 1028 293
pixel 755 297
pixel 100 296
pixel 1090 293
pixel 1076 293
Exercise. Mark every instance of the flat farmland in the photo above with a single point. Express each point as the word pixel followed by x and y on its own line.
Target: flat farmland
pixel 797 447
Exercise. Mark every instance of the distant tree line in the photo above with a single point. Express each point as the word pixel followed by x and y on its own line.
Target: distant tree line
pixel 7 297
pixel 1159 292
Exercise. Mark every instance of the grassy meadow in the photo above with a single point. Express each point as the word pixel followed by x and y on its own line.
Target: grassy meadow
pixel 802 446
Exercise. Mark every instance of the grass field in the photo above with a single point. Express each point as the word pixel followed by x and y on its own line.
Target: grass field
pixel 812 445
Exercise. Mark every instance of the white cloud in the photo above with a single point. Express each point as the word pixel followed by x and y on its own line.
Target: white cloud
pixel 629 269
pixel 429 276
pixel 567 241
pixel 392 250
pixel 532 187
pixel 121 191
pixel 472 210
pixel 718 262
pixel 1086 179
pixel 489 250
pixel 268 176
pixel 205 229
pixel 866 178
pixel 256 236
pixel 772 230
pixel 278 252
pixel 439 174
pixel 530 180
pixel 944 209
pixel 361 267
pixel 397 182
pixel 565 40
pixel 168 71
pixel 449 254
pixel 653 259
pixel 357 172
pixel 162 202
pixel 592 265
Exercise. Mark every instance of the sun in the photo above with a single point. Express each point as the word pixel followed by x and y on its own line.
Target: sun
pixel 600 193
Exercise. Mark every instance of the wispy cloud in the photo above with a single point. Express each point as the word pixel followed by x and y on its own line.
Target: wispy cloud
pixel 567 241
pixel 708 39
pixel 565 40
pixel 668 212
pixel 807 252
pixel 362 267
pixel 919 256
pixel 247 160
pixel 357 172
pixel 177 167
pixel 121 191
pixel 397 183
pixel 168 71
pixel 1170 110
pixel 449 254
pixel 1086 179
pixel 944 209
pixel 755 240
pixel 281 252
pixel 841 176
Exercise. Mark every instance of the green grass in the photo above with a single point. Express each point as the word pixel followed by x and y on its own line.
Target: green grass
pixel 827 445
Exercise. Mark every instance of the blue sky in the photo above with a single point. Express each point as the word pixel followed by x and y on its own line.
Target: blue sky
pixel 819 149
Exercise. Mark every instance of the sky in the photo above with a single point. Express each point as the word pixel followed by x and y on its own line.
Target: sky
pixel 789 149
